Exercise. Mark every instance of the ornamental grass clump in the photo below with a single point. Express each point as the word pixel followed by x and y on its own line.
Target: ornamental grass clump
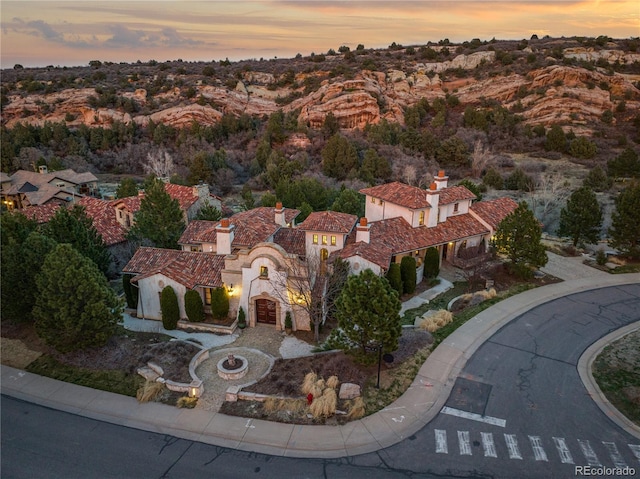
pixel 356 409
pixel 437 320
pixel 150 391
pixel 309 382
pixel 325 405
pixel 333 382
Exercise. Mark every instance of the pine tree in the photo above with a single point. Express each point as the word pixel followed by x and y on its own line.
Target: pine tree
pixel 368 313
pixel 75 308
pixel 160 219
pixel 625 227
pixel 518 237
pixel 581 219
pixel 349 201
pixel 339 157
pixel 127 187
pixel 73 226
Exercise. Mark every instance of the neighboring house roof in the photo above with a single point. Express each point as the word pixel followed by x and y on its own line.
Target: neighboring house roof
pixel 130 203
pixel 47 193
pixel 379 254
pixel 104 219
pixel 494 211
pixel 72 177
pixel 250 228
pixel 41 213
pixel 4 178
pixel 399 194
pixel 329 222
pixel 187 196
pixel 454 194
pixel 188 268
pixel 292 240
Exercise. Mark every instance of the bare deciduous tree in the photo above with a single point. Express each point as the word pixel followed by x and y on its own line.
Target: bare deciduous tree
pixel 159 163
pixel 551 192
pixel 312 286
pixel 481 158
pixel 409 175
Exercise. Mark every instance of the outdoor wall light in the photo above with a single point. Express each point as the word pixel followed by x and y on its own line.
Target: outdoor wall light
pixel 230 289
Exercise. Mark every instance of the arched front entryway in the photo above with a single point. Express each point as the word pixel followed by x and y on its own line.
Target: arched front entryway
pixel 266 311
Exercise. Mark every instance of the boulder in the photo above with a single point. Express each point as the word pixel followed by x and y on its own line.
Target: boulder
pixel 349 391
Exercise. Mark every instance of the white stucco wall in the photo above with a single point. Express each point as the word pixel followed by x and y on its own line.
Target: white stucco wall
pixel 149 296
pixel 358 264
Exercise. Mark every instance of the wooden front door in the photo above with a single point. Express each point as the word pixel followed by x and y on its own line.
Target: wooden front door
pixel 265 311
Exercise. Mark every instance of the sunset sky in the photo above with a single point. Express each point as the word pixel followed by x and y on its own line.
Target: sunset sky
pixel 41 33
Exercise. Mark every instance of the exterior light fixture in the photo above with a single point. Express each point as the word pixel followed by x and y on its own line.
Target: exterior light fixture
pixel 230 289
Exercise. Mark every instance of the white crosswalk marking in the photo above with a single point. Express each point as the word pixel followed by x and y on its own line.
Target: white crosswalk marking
pixel 589 454
pixel 563 450
pixel 512 446
pixel 441 441
pixel 635 449
pixel 488 445
pixel 616 457
pixel 465 443
pixel 538 451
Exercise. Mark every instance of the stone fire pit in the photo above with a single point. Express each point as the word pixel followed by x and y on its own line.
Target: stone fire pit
pixel 233 367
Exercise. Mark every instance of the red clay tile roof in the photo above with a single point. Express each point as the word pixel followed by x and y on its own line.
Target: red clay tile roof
pixel 329 221
pixel 455 194
pixel 292 240
pixel 401 237
pixel 186 195
pixel 131 203
pixel 188 268
pixel 399 194
pixel 103 214
pixel 251 227
pixel 494 211
pixel 379 254
pixel 41 213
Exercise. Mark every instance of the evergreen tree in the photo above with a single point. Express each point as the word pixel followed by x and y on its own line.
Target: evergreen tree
pixel 75 308
pixel 209 212
pixel 472 187
pixel 597 180
pixel 248 201
pixel 432 262
pixel 339 157
pixel 518 237
pixel 74 227
pixel 349 201
pixel 169 308
pixel 556 139
pixel 130 291
pixel 160 219
pixel 193 306
pixel 493 179
pixel 330 126
pixel 219 303
pixel 127 187
pixel 581 219
pixel 374 167
pixel 626 164
pixel 368 313
pixel 408 274
pixel 625 227
pixel 395 278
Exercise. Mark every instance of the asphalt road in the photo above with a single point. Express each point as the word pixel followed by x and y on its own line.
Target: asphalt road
pixel 536 419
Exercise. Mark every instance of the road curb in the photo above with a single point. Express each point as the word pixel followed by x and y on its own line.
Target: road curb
pixel 585 369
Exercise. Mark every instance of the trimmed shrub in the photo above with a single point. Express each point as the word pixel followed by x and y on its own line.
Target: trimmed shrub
pixel 193 306
pixel 130 292
pixel 288 323
pixel 169 307
pixel 408 274
pixel 432 262
pixel 242 318
pixel 394 277
pixel 219 303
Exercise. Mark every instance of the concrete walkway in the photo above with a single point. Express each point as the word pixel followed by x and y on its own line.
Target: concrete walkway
pixel 426 296
pixel 412 411
pixel 570 267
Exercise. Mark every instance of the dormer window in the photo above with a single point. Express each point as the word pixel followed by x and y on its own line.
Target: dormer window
pixel 455 207
pixel 421 218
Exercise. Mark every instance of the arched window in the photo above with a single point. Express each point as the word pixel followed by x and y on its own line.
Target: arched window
pixel 324 254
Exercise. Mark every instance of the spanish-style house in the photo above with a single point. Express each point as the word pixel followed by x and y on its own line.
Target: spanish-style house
pixel 30 188
pixel 259 255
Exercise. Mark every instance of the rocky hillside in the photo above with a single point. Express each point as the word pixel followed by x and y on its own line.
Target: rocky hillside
pixel 545 81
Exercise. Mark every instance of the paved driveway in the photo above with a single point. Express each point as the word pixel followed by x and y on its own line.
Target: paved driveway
pixel 568 268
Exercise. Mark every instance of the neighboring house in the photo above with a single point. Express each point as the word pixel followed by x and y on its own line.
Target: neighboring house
pixel 28 188
pixel 260 254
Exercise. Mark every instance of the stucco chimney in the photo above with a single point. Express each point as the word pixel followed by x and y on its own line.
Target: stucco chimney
pixel 363 232
pixel 224 236
pixel 441 180
pixel 43 169
pixel 279 215
pixel 433 197
pixel 201 190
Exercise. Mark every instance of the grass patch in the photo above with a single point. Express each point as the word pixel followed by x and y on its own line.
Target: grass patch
pixel 463 316
pixel 439 302
pixel 627 268
pixel 114 381
pixel 393 383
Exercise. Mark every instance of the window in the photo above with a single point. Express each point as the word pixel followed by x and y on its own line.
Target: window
pixel 207 296
pixel 421 219
pixel 381 202
pixel 264 272
pixel 373 200
pixel 333 241
pixel 315 239
pixel 455 208
pixel 120 213
pixel 324 239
